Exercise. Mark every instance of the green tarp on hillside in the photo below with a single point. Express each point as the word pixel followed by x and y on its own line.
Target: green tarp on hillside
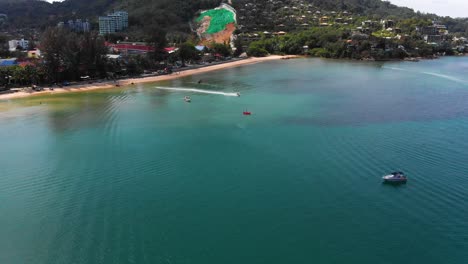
pixel 220 18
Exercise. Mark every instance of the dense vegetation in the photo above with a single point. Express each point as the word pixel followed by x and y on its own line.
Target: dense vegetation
pixel 67 56
pixel 266 15
pixel 342 29
pixel 70 56
pixel 169 14
pixel 340 43
pixel 166 16
pixel 174 15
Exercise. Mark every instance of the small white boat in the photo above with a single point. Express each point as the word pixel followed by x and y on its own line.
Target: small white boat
pixel 396 177
pixel 187 99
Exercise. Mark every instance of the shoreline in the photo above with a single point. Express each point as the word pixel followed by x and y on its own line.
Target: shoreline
pixel 131 81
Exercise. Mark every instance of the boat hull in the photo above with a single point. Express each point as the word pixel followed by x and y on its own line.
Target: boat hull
pixel 396 177
pixel 391 179
pixel 395 181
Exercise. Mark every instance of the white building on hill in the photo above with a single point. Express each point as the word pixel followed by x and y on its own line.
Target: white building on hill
pixel 14 44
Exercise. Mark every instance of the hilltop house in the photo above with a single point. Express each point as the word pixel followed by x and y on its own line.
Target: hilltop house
pixel 15 44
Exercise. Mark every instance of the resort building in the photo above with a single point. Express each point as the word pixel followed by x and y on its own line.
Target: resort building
pixel 124 18
pixel 106 25
pixel 429 30
pixel 388 24
pixel 433 39
pixel 434 34
pixel 112 23
pixel 78 25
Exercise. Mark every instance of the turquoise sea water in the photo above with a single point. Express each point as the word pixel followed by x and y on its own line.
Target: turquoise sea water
pixel 136 175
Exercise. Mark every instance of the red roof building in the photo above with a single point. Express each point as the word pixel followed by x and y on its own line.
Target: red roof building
pixel 130 48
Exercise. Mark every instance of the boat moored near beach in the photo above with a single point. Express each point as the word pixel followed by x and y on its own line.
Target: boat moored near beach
pixel 395 177
pixel 187 99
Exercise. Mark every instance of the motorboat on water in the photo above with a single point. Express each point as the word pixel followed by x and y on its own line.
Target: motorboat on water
pixel 247 113
pixel 238 94
pixel 187 99
pixel 396 177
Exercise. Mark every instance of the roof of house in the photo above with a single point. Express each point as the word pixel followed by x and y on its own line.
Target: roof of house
pixel 170 49
pixel 133 46
pixel 8 62
pixel 113 56
pixel 25 63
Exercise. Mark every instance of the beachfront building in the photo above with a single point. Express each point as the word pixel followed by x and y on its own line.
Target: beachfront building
pixel 78 25
pixel 434 34
pixel 127 48
pixel 106 25
pixel 112 23
pixel 15 44
pixel 123 17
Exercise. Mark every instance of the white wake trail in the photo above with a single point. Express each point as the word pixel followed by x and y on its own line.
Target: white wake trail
pixel 177 89
pixel 448 77
pixel 395 68
pixel 443 76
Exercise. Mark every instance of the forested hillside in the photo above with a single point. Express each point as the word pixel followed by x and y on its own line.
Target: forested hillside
pixel 26 13
pixel 265 14
pixel 143 13
pixel 174 15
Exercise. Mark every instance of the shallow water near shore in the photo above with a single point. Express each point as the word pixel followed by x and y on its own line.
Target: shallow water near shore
pixel 137 175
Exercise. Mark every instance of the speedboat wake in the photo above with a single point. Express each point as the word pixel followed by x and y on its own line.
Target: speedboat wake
pixel 178 89
pixel 443 76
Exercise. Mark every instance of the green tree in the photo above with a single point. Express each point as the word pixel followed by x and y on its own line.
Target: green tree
pixel 133 68
pixel 53 52
pixel 187 51
pixel 93 52
pixel 256 49
pixel 223 49
pixel 70 55
pixel 4 52
pixel 157 39
pixel 239 47
pixel 320 52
